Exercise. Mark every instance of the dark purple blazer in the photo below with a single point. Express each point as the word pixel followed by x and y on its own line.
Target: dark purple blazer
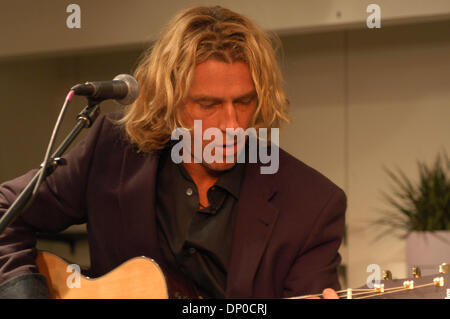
pixel 288 226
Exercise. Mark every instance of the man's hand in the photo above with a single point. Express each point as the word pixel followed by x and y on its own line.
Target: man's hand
pixel 329 293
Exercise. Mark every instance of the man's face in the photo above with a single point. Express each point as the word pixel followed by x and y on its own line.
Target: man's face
pixel 222 96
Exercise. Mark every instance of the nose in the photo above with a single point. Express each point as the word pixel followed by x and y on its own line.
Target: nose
pixel 229 117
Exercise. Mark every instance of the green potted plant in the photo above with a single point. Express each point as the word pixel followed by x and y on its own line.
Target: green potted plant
pixel 421 214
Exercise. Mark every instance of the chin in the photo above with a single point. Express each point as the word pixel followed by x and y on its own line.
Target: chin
pixel 219 167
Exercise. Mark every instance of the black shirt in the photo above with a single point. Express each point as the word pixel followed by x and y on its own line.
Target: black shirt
pixel 197 242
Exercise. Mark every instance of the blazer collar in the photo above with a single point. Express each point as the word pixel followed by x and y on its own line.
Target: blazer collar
pixel 253 224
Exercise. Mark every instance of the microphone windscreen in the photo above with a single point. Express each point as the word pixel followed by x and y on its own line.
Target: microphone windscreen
pixel 133 88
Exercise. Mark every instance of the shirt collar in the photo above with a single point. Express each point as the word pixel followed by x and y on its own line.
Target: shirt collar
pixel 229 180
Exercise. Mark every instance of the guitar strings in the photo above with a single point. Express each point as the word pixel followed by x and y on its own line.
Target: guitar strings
pixel 362 291
pixel 399 289
pixel 390 291
pixel 382 293
pixel 338 292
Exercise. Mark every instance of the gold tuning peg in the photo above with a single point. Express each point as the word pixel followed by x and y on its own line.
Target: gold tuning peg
pixel 444 268
pixel 416 272
pixel 387 275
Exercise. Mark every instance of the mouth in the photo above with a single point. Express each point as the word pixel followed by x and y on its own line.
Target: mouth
pixel 227 149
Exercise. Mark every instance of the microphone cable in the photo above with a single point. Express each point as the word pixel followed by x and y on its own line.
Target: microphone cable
pixel 45 164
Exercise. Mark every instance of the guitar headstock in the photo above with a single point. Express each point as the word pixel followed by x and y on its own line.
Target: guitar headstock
pixel 416 287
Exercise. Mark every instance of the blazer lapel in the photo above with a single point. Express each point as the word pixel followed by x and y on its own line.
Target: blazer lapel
pixel 254 221
pixel 137 205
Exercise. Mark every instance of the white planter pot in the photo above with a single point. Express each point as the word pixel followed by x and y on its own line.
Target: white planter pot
pixel 427 250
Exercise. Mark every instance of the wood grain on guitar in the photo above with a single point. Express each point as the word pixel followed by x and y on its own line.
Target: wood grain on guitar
pixel 138 278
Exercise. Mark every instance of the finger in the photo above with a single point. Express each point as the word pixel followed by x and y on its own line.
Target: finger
pixel 329 293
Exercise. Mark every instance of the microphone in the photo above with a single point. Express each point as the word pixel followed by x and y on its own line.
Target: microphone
pixel 123 88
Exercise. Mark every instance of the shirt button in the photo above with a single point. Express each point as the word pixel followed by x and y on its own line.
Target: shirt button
pixel 192 250
pixel 189 191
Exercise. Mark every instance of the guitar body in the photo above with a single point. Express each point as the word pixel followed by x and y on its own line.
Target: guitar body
pixel 138 278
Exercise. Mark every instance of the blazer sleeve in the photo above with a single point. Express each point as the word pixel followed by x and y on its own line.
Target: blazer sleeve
pixel 315 267
pixel 59 204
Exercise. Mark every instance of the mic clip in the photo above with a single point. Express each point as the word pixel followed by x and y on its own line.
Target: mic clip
pixel 53 163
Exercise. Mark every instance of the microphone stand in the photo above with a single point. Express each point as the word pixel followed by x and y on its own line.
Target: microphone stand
pixel 85 119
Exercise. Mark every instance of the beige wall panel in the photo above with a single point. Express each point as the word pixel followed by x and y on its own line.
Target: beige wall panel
pixel 39 27
pixel 33 91
pixel 314 73
pixel 399 111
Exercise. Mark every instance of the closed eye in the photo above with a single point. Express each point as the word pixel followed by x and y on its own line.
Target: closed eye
pixel 246 100
pixel 209 105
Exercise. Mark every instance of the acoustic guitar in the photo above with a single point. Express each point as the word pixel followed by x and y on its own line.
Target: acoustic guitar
pixel 143 278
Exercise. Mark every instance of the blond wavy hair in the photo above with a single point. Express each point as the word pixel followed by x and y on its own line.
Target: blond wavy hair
pixel 166 70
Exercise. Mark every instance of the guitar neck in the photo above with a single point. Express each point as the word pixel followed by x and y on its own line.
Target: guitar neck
pixel 427 287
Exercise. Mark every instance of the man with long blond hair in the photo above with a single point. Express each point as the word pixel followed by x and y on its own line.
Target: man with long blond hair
pixel 230 229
